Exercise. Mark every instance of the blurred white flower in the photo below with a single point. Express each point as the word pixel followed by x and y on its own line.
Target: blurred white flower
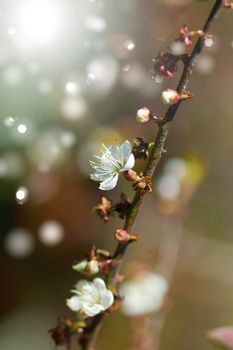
pixel 169 187
pixel 113 161
pixel 90 298
pixel 144 294
pixel 177 167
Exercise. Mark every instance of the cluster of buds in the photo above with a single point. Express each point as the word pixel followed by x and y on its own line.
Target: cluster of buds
pixel 122 236
pixel 165 64
pixel 227 4
pixel 96 260
pixel 171 97
pixel 186 35
pixel 141 183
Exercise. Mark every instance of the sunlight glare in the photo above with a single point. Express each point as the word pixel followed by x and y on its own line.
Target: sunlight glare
pixel 39 21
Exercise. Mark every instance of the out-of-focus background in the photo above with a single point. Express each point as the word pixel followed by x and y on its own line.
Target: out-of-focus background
pixel 72 75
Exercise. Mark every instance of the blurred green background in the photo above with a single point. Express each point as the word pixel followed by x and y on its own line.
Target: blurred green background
pixel 72 75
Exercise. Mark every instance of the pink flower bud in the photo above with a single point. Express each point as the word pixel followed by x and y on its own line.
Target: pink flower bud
pixel 170 97
pixel 143 115
pixel 131 175
pixel 222 336
pixel 123 236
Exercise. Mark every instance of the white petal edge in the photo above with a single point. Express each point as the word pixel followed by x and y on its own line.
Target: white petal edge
pixel 109 184
pixel 99 283
pixel 80 266
pixel 74 303
pixel 97 177
pixel 115 151
pixel 106 299
pixel 130 163
pixel 81 284
pixel 92 310
pixel 126 149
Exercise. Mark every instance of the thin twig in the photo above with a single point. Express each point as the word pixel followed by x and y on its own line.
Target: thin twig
pixel 154 159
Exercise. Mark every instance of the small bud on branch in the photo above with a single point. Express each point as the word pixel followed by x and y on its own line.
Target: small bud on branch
pixel 122 236
pixel 143 115
pixel 227 4
pixel 170 97
pixel 187 35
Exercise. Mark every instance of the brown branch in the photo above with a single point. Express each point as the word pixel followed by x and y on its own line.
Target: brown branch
pixel 156 153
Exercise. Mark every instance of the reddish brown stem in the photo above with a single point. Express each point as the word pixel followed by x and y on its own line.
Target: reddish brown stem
pixel 154 159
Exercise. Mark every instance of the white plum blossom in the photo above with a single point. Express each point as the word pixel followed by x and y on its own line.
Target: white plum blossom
pixel 113 161
pixel 90 298
pixel 144 294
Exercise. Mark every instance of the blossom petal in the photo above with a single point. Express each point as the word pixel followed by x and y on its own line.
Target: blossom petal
pixel 130 163
pixel 81 284
pixel 74 303
pixel 98 176
pixel 110 183
pixel 115 151
pixel 106 298
pixel 99 283
pixel 126 149
pixel 92 310
pixel 80 266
